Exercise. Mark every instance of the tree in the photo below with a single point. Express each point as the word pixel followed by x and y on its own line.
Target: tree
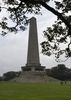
pixel 59 33
pixel 60 72
pixel 10 75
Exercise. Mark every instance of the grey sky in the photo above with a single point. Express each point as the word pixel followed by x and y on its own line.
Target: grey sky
pixel 13 47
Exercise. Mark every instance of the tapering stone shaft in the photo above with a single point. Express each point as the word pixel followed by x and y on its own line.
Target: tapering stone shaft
pixel 33 51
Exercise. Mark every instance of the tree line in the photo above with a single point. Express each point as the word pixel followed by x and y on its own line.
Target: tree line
pixel 60 72
pixel 9 75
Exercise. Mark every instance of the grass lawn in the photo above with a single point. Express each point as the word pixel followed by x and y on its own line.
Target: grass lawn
pixel 35 91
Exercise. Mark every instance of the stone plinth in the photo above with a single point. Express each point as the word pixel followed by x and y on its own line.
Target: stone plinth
pixel 34 68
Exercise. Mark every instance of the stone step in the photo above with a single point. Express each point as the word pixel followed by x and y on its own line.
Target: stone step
pixel 33 77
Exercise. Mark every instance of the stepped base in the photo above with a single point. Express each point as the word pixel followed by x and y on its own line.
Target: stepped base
pixel 33 77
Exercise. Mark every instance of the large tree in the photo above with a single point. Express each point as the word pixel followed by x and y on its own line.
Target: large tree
pixel 60 72
pixel 59 33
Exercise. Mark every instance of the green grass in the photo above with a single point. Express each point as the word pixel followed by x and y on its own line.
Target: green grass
pixel 35 91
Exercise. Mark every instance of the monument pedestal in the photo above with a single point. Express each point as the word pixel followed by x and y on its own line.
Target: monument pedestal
pixel 33 68
pixel 34 77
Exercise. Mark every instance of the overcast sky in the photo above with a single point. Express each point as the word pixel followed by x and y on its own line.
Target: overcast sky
pixel 13 47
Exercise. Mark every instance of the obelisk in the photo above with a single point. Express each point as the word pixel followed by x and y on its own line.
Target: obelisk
pixel 33 50
pixel 33 61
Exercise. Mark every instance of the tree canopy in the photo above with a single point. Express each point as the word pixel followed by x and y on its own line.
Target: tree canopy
pixel 61 72
pixel 59 33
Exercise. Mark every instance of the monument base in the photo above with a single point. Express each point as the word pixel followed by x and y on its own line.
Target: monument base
pixel 33 74
pixel 34 77
pixel 33 68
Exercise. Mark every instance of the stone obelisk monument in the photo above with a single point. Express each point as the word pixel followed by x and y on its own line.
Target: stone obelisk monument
pixel 33 61
pixel 33 71
pixel 33 51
